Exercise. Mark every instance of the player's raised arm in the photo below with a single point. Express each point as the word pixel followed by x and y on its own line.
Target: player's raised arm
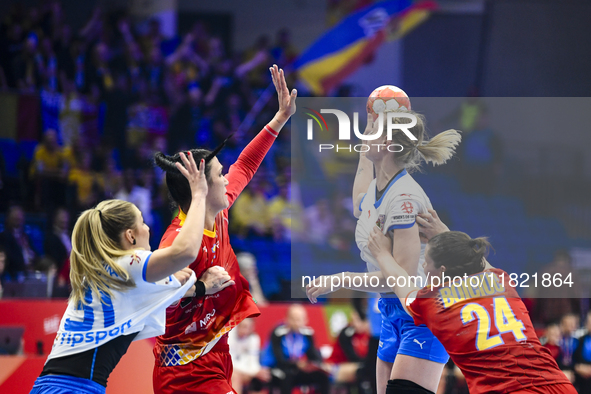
pixel 287 100
pixel 364 174
pixel 241 172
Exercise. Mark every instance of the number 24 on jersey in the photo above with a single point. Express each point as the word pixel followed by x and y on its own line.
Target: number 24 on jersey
pixel 504 320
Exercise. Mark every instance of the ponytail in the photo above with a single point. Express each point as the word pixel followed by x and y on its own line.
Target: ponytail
pixel 439 149
pixel 96 243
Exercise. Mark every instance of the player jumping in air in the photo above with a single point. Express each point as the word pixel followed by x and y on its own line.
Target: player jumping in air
pixel 483 324
pixel 391 201
pixel 193 355
pixel 120 290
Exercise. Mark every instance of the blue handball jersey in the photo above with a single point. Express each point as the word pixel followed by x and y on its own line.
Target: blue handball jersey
pixel 141 309
pixel 398 207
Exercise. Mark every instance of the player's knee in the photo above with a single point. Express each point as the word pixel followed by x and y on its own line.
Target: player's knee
pixel 403 386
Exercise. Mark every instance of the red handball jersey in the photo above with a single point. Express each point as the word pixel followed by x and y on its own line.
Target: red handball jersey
pixel 194 326
pixel 486 329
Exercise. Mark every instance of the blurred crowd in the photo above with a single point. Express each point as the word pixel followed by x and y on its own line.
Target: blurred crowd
pixel 113 93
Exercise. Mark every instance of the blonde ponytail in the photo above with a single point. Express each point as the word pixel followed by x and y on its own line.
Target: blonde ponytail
pixel 439 149
pixel 96 242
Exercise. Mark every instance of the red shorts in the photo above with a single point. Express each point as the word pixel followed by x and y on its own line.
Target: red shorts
pixel 561 388
pixel 209 374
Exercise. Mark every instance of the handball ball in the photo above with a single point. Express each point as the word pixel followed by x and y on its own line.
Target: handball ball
pixel 387 97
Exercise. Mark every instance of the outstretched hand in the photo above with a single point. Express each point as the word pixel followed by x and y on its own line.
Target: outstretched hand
pixel 287 101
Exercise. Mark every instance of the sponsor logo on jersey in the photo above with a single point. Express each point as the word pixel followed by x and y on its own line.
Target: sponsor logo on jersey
pixel 205 321
pixel 73 338
pixel 407 207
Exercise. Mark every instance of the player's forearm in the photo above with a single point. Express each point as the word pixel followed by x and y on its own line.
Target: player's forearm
pixel 185 247
pixel 396 275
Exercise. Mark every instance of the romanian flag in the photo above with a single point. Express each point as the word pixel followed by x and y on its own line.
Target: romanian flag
pixel 347 46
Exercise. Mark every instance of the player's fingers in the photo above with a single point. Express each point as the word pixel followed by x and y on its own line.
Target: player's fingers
pixel 182 170
pixel 186 162
pixel 433 213
pixel 422 222
pixel 191 162
pixel 227 284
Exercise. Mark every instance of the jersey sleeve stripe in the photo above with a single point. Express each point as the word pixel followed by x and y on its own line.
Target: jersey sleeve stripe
pixel 271 131
pixel 361 202
pixel 145 267
pixel 401 226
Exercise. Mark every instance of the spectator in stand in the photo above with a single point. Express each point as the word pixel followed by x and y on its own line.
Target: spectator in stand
pixel 284 53
pixel 553 339
pixel 49 171
pixel 582 360
pixel 558 300
pixel 87 185
pixel 245 349
pixel 135 192
pixel 296 359
pixel 20 256
pixel 319 222
pixel 280 212
pixel 25 67
pixel 568 343
pixel 57 249
pixel 250 215
pixel 248 268
pixel 351 348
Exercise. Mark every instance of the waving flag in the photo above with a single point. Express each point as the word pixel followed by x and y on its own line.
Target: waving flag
pixel 343 49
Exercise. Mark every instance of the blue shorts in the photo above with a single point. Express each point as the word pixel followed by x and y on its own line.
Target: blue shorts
pixel 400 335
pixel 62 384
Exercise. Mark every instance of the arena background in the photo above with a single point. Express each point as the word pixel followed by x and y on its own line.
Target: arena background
pixel 89 70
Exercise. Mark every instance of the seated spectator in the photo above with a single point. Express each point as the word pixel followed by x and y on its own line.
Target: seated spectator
pixel 49 171
pixel 351 347
pixel 250 213
pixel 552 341
pixel 280 212
pixel 57 250
pixel 568 343
pixel 319 222
pixel 245 349
pixel 582 360
pixel 87 184
pixel 296 361
pixel 248 269
pixel 135 192
pixel 20 256
pixel 552 338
